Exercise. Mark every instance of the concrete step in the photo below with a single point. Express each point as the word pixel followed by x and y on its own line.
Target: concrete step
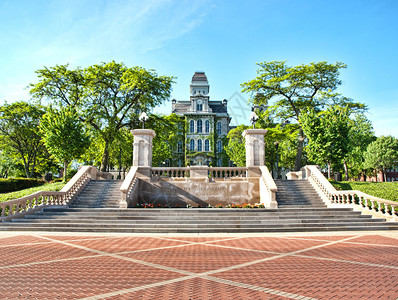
pixel 196 230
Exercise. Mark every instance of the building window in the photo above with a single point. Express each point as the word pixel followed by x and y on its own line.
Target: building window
pixel 199 126
pixel 179 162
pixel 219 146
pixel 199 107
pixel 207 145
pixel 219 162
pixel 192 145
pixel 199 145
pixel 218 128
pixel 179 147
pixel 192 126
pixel 207 126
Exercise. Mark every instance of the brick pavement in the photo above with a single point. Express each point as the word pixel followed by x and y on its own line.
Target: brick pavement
pixel 76 266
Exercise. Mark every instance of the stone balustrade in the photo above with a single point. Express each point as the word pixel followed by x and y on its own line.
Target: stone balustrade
pixel 170 172
pixel 211 172
pixel 38 200
pixel 227 172
pixel 367 203
pixel 129 187
pixel 268 189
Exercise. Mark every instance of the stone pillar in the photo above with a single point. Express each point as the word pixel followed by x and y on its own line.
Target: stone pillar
pixel 255 152
pixel 142 150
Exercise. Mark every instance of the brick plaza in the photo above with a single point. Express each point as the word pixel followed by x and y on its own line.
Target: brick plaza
pixel 346 265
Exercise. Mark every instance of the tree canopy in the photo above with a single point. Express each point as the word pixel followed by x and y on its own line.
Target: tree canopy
pixel 382 154
pixel 106 96
pixel 64 135
pixel 19 133
pixel 296 89
pixel 327 133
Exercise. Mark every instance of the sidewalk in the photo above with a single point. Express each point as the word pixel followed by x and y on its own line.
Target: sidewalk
pixel 336 265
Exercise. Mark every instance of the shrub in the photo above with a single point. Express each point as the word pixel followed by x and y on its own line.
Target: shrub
pixel 16 184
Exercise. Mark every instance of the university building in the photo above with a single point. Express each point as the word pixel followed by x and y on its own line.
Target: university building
pixel 207 125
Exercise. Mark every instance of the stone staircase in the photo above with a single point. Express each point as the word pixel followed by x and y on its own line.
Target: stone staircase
pixel 299 211
pixel 297 194
pixel 99 194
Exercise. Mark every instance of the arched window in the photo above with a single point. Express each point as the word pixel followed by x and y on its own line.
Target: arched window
pixel 179 146
pixel 199 107
pixel 192 126
pixel 192 145
pixel 218 128
pixel 199 126
pixel 199 145
pixel 207 126
pixel 219 146
pixel 207 145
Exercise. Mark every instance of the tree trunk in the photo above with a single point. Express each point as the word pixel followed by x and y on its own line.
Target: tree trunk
pixel 297 164
pixel 65 170
pixel 105 157
pixel 346 170
pixel 384 175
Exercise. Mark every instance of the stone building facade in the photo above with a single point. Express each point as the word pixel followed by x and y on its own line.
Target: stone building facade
pixel 207 125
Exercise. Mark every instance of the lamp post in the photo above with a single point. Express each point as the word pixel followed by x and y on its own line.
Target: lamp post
pixel 143 118
pixel 253 118
pixel 277 159
pixel 120 163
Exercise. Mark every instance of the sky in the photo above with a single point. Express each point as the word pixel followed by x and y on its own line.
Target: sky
pixel 225 39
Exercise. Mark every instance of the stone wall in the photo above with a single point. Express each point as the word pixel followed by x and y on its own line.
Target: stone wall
pixel 186 191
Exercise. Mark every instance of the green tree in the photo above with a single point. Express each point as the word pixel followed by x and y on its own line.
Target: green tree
pixel 169 131
pixel 360 136
pixel 327 133
pixel 19 133
pixel 106 96
pixel 382 154
pixel 235 148
pixel 63 135
pixel 296 89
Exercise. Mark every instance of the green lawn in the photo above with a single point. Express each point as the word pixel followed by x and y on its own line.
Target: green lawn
pixel 385 190
pixel 56 186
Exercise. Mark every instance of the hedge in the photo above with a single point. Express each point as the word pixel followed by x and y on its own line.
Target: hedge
pixel 16 184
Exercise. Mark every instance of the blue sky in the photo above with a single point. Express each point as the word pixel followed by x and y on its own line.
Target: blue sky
pixel 223 38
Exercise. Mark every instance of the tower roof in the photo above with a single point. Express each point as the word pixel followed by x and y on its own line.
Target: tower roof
pixel 199 77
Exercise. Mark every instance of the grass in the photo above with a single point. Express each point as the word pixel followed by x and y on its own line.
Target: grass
pixel 384 190
pixel 55 186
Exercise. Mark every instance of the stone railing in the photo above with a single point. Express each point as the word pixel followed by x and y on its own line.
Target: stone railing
pixel 38 200
pixel 129 187
pixel 268 189
pixel 367 203
pixel 227 172
pixel 170 172
pixel 200 171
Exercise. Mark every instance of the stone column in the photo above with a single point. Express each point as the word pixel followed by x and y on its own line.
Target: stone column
pixel 255 153
pixel 142 150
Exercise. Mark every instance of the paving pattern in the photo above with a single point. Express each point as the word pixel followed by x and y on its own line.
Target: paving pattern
pixel 44 266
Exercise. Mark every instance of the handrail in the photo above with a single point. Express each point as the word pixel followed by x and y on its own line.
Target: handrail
pixel 268 189
pixel 40 199
pixel 359 199
pixel 129 185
